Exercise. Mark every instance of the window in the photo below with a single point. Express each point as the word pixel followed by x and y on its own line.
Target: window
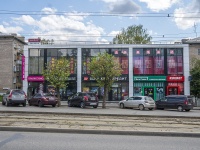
pixel 198 51
pixel 175 61
pixel 137 98
pixel 36 61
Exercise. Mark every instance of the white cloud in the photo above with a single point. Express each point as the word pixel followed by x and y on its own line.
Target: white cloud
pixel 26 19
pixel 187 16
pixel 122 6
pixel 158 5
pixel 49 10
pixel 63 27
pixel 113 33
pixel 10 29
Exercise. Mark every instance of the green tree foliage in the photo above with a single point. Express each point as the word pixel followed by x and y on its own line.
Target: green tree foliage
pixel 56 73
pixel 195 73
pixel 104 68
pixel 133 35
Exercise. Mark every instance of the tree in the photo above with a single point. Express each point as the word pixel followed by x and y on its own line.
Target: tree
pixel 195 82
pixel 133 35
pixel 104 68
pixel 56 73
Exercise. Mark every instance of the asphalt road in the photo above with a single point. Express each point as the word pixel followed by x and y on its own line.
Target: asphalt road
pixel 111 120
pixel 61 141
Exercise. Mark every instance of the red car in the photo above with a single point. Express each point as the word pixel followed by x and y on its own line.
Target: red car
pixel 42 99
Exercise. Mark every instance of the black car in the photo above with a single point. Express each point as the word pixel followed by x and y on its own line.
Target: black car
pixel 180 102
pixel 82 99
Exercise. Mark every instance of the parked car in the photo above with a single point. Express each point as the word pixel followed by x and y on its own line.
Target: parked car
pixel 14 96
pixel 83 99
pixel 180 102
pixel 140 102
pixel 41 99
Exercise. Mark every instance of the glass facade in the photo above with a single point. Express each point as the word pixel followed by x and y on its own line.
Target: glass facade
pixel 38 58
pixel 148 61
pixel 156 71
pixel 153 67
pixel 119 89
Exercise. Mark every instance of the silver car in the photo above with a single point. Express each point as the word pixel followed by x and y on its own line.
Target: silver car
pixel 140 102
pixel 14 96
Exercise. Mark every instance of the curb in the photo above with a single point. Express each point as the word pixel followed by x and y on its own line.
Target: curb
pixel 87 114
pixel 105 132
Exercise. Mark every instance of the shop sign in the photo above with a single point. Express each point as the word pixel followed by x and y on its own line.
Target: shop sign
pixel 72 78
pixel 149 78
pixel 120 78
pixel 34 41
pixel 175 78
pixel 35 78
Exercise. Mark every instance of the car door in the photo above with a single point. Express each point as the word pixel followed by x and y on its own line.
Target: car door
pixel 129 102
pixel 36 98
pixel 5 96
pixel 172 102
pixel 161 103
pixel 137 101
pixel 75 99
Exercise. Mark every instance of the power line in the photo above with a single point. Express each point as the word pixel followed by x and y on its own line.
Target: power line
pixel 157 15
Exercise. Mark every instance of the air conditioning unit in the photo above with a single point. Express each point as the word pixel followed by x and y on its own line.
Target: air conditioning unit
pixel 14 80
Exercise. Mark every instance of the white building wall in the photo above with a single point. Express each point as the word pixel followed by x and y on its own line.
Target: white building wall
pixel 25 82
pixel 186 69
pixel 130 71
pixel 79 63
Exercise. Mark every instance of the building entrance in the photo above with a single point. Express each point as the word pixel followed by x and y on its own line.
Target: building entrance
pixel 116 93
pixel 173 90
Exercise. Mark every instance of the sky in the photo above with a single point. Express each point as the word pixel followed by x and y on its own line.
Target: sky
pixel 98 21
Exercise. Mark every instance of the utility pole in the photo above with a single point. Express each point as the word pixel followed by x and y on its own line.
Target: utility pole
pixel 195 29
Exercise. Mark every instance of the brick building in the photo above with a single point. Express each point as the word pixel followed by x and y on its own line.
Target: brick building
pixel 11 52
pixel 194 48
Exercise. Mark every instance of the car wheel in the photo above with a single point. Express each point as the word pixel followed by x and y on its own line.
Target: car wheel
pixel 95 106
pixel 180 108
pixel 121 105
pixel 141 107
pixel 3 103
pixel 24 104
pixel 29 103
pixel 40 104
pixel 82 105
pixel 187 109
pixel 150 108
pixel 6 103
pixel 53 105
pixel 69 104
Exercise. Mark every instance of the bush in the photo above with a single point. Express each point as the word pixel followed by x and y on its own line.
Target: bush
pixel 1 97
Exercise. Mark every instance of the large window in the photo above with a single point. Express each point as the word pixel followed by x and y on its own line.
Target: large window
pixel 174 61
pixel 36 61
pixel 87 54
pixel 148 61
pixel 122 57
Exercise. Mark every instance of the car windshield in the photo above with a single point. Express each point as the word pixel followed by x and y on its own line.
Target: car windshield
pixel 18 92
pixel 89 94
pixel 149 99
pixel 47 94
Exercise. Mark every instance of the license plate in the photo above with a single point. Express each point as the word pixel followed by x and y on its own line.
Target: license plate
pixel 93 103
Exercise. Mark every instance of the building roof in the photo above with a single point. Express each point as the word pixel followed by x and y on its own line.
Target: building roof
pixel 191 41
pixel 13 35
